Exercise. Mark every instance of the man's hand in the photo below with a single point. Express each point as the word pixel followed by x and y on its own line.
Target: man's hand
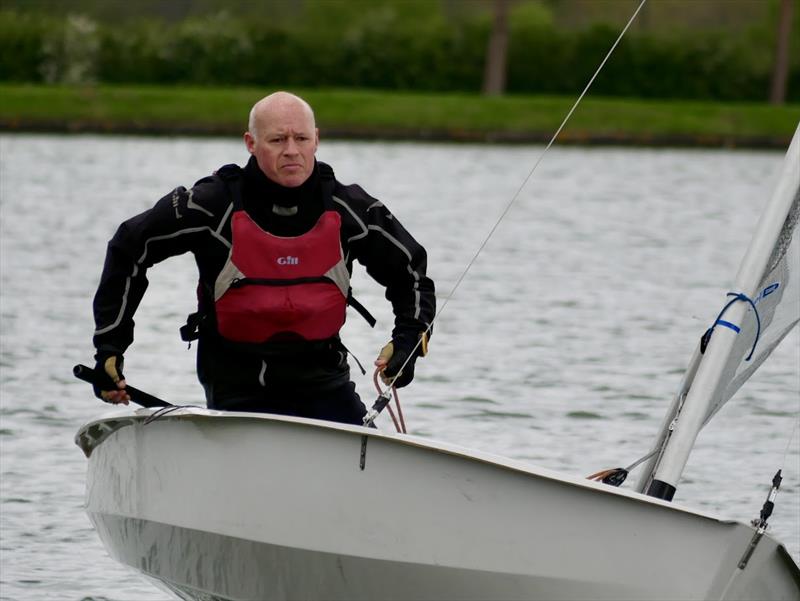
pixel 395 354
pixel 113 390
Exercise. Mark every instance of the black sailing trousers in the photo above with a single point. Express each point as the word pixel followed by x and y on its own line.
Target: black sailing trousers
pixel 341 404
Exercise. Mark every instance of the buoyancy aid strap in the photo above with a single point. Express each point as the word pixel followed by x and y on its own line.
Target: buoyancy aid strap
pixel 196 321
pixel 349 352
pixel 191 329
pixel 361 309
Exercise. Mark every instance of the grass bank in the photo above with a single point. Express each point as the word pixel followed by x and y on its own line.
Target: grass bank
pixel 370 114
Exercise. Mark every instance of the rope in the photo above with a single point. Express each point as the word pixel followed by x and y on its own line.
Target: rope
pixel 521 187
pixel 737 296
pixel 163 412
pixel 616 475
pixel 401 425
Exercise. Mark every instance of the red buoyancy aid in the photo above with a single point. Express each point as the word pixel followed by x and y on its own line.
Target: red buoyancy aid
pixel 271 285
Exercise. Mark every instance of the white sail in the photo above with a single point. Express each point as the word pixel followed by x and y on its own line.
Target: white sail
pixel 756 316
pixel 778 305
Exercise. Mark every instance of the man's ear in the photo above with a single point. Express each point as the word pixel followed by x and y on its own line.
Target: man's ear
pixel 316 142
pixel 250 142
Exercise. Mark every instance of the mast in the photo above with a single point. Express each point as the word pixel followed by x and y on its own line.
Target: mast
pixel 707 384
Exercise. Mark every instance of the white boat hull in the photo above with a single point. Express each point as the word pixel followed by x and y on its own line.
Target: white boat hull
pixel 219 505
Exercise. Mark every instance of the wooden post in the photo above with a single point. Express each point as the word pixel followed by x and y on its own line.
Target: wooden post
pixel 494 75
pixel 780 70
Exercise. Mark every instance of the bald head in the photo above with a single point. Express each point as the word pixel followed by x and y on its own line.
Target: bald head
pixel 282 136
pixel 276 105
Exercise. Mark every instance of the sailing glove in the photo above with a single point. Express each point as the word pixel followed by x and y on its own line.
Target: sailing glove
pixel 396 353
pixel 109 370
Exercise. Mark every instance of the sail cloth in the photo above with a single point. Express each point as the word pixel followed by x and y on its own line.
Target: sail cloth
pixel 755 317
pixel 777 302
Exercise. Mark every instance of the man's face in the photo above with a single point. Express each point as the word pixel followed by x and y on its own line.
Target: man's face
pixel 284 143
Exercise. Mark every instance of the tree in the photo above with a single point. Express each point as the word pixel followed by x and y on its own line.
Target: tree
pixel 494 75
pixel 780 70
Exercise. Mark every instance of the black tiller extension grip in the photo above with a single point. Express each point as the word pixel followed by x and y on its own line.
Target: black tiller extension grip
pixel 87 374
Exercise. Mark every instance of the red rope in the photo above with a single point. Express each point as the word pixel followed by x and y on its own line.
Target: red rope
pixel 401 426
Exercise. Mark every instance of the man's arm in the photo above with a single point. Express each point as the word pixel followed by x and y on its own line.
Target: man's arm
pixel 395 260
pixel 181 221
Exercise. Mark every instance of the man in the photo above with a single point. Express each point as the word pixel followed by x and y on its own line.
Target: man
pixel 274 243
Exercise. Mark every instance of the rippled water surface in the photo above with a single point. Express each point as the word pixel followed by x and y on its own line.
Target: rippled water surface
pixel 562 346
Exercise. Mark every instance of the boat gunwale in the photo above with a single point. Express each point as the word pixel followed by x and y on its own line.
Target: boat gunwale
pixel 127 418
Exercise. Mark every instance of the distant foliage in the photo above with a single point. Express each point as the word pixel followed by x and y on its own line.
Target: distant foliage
pixel 23 46
pixel 70 52
pixel 386 46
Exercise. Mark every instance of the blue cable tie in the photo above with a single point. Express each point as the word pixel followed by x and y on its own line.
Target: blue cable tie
pixel 728 324
pixel 737 296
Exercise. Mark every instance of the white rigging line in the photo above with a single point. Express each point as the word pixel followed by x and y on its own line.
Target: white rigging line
pixel 539 160
pixel 791 438
pixel 521 187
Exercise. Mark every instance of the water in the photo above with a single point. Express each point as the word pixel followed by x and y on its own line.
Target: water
pixel 562 346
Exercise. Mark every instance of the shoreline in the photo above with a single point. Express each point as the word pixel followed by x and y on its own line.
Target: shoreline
pixel 459 136
pixel 347 114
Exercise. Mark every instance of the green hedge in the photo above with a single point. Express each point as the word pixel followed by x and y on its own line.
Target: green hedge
pixel 386 50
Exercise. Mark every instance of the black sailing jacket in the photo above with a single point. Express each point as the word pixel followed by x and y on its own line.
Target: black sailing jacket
pixel 197 220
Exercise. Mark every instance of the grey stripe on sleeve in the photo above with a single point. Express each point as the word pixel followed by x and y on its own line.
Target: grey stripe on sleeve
pixel 411 271
pixel 222 223
pixel 190 230
pixel 122 308
pixel 392 239
pixel 124 304
pixel 415 275
pixel 357 219
pixel 191 204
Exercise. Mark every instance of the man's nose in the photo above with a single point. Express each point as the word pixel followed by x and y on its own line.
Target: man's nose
pixel 291 146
